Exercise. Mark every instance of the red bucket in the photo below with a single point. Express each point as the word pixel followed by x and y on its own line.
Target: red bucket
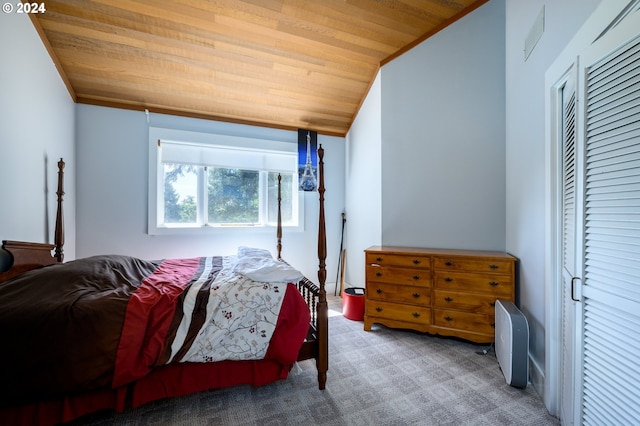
pixel 353 303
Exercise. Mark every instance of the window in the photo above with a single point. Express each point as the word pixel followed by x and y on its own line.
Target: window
pixel 200 186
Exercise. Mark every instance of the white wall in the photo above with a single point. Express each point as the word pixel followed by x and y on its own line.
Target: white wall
pixel 443 152
pixel 363 185
pixel 462 143
pixel 112 157
pixel 37 119
pixel 525 139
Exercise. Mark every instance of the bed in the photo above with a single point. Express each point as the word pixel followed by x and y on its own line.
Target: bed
pixel 116 331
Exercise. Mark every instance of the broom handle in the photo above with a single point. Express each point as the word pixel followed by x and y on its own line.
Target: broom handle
pixel 335 289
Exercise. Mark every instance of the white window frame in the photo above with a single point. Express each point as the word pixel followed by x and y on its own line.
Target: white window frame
pixel 156 180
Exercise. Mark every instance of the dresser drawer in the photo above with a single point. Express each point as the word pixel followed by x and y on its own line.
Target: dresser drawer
pixel 499 266
pixel 398 293
pixel 407 276
pixel 469 302
pixel 398 312
pixel 492 284
pixel 387 259
pixel 477 323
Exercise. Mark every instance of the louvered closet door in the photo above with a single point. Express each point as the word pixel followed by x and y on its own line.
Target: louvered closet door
pixel 611 281
pixel 570 191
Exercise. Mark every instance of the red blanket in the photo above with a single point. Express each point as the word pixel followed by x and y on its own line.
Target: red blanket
pixel 105 321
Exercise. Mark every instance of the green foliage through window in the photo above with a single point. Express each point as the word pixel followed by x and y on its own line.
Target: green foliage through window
pixel 232 196
pixel 179 207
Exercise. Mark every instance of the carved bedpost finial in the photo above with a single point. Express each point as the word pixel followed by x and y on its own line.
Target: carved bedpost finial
pixel 59 231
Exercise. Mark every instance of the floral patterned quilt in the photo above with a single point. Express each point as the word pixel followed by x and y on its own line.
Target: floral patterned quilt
pixel 106 321
pixel 241 315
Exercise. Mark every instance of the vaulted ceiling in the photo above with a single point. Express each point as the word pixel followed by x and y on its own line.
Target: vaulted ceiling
pixel 275 63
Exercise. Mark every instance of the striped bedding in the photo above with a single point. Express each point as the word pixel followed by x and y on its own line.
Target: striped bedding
pixel 107 321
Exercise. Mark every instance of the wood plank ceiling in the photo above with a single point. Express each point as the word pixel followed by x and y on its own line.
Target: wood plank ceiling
pixel 276 63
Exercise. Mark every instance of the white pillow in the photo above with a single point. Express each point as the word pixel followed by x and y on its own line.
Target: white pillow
pixel 258 265
pixel 253 252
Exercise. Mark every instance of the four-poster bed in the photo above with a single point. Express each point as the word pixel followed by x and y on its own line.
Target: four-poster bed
pixel 141 364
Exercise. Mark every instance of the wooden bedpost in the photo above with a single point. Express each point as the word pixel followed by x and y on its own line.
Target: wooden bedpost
pixel 279 231
pixel 59 231
pixel 26 256
pixel 322 362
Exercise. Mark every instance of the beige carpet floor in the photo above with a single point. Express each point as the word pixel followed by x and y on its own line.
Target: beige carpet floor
pixel 382 377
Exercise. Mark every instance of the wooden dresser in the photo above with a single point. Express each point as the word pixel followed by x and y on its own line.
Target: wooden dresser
pixel 438 291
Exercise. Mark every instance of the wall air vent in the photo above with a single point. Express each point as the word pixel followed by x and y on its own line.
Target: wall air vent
pixel 534 34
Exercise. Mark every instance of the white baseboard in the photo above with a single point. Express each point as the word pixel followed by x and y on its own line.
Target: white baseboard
pixel 536 377
pixel 331 288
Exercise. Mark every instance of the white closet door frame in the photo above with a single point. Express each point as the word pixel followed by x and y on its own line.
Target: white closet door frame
pixel 568 155
pixel 564 265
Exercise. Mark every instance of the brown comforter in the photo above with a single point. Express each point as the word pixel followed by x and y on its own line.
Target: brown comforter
pixel 104 321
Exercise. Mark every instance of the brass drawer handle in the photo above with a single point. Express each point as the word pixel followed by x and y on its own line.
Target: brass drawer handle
pixel 494 283
pixel 494 267
pixel 416 295
pixel 448 280
pixel 448 318
pixel 448 299
pixel 416 277
pixel 378 259
pixel 378 274
pixel 378 309
pixel 448 263
pixel 416 314
pixel 416 261
pixel 379 291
